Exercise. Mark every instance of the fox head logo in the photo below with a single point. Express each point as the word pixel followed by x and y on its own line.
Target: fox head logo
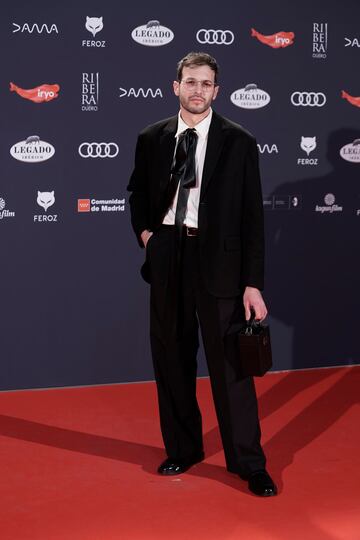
pixel 46 199
pixel 94 24
pixel 308 144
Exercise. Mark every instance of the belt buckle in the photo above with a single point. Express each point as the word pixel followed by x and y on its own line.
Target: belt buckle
pixel 189 231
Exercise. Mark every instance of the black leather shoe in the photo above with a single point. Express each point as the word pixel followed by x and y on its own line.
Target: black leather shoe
pixel 260 483
pixel 178 466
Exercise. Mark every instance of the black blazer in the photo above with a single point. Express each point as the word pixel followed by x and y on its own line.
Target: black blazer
pixel 230 218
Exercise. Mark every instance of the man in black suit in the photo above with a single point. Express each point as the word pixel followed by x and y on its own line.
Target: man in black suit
pixel 210 273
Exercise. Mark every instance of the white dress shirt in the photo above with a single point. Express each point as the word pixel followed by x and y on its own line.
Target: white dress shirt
pixel 202 130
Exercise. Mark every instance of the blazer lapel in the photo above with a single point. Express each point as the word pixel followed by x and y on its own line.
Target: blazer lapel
pixel 167 149
pixel 216 139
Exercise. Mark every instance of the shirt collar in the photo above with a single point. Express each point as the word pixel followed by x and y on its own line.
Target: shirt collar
pixel 202 128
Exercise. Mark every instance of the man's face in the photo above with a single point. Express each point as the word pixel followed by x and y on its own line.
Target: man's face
pixel 197 89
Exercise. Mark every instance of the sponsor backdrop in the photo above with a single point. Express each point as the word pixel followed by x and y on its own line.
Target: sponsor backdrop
pixel 78 83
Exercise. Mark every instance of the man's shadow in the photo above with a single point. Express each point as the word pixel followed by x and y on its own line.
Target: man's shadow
pixel 313 263
pixel 281 448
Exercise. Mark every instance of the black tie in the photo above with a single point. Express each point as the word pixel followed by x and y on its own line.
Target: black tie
pixel 183 173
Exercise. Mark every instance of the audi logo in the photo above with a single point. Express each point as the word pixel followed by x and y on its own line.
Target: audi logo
pixel 212 37
pixel 308 99
pixel 101 150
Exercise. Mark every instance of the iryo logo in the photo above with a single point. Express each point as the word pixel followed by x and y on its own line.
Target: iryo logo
pixel 276 41
pixel 39 94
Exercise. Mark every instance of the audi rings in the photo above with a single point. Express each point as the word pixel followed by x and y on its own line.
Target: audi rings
pixel 101 150
pixel 308 99
pixel 215 37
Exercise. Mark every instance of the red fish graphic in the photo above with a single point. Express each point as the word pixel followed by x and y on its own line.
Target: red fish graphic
pixel 351 99
pixel 276 41
pixel 45 92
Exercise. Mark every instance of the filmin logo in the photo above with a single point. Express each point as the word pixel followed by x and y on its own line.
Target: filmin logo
pixel 320 40
pixel 32 150
pixel 90 92
pixel 250 97
pixel 152 34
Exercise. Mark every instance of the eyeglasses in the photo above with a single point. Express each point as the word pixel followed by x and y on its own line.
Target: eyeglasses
pixel 192 84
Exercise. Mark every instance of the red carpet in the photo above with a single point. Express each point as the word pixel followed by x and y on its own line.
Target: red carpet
pixel 80 464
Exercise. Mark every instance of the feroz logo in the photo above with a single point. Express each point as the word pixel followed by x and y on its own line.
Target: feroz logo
pixel 102 205
pixel 215 37
pixel 101 150
pixel 351 152
pixel 32 150
pixel 93 25
pixel 30 28
pixel 352 42
pixel 140 92
pixel 45 199
pixel 152 34
pixel 282 202
pixel 250 97
pixel 90 92
pixel 276 41
pixel 351 99
pixel 308 144
pixel 268 149
pixel 330 207
pixel 308 99
pixel 39 94
pixel 4 212
pixel 320 40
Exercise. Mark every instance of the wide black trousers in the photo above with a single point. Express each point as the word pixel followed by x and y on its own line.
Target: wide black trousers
pixel 181 294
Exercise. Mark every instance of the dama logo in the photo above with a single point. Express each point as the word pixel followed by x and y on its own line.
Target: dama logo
pixel 34 27
pixel 276 41
pixel 351 99
pixel 39 94
pixel 140 92
pixel 267 148
pixel 352 42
